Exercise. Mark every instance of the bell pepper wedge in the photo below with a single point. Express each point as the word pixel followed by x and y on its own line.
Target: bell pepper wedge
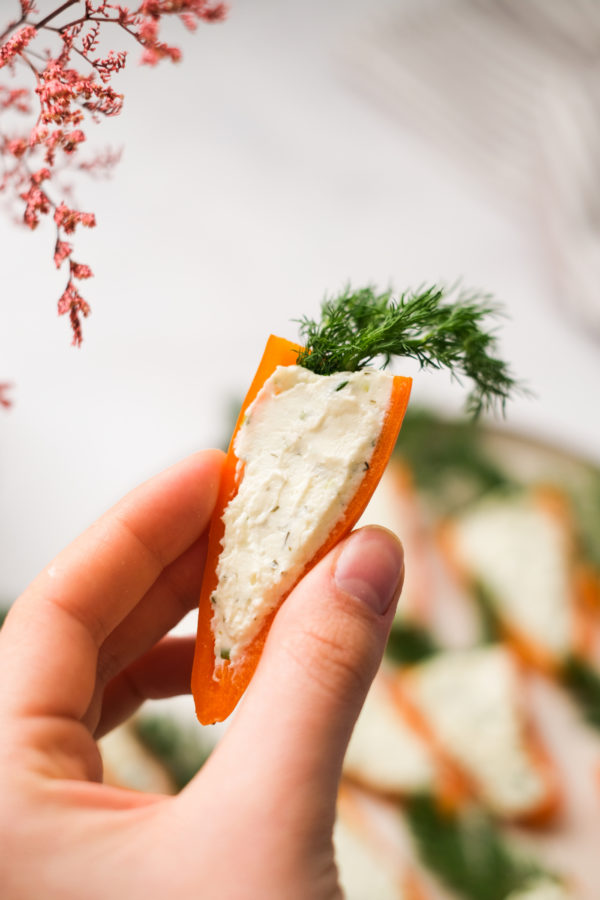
pixel 217 689
pixel 461 786
pixel 554 503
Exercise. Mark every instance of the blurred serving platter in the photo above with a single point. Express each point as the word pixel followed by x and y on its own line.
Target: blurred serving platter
pixel 474 770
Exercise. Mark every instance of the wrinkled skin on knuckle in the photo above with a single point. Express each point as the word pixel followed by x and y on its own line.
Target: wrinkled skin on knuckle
pixel 336 653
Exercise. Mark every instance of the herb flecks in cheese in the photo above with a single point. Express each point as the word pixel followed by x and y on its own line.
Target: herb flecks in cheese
pixel 303 449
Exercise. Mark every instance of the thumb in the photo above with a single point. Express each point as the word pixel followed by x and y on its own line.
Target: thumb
pixel 323 650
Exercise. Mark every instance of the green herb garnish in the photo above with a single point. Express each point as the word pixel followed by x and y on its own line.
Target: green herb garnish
pixel 586 500
pixel 583 683
pixel 429 325
pixel 448 459
pixel 409 643
pixel 468 852
pixel 491 631
pixel 178 747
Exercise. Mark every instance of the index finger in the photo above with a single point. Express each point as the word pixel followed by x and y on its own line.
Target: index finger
pixel 52 635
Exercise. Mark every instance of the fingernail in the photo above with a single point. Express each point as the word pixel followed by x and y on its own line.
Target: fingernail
pixel 370 568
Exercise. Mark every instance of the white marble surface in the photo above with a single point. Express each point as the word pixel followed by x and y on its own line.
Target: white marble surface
pixel 255 177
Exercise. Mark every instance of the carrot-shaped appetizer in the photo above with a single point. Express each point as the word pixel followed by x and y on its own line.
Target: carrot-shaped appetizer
pixel 386 754
pixel 470 704
pixel 299 473
pixel 517 552
pixel 370 865
pixel 316 430
pixel 474 859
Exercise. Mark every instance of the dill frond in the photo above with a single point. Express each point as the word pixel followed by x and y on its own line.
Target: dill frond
pixel 430 325
pixel 467 851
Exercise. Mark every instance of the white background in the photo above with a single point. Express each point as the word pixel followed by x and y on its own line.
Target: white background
pixel 256 176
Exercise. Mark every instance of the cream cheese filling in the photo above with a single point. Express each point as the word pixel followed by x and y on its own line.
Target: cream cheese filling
pixel 471 697
pixel 303 449
pixel 384 751
pixel 363 872
pixel 520 553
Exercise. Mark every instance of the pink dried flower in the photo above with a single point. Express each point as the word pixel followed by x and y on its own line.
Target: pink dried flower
pixel 71 141
pixel 153 54
pixel 90 40
pixel 68 99
pixel 189 21
pixel 5 402
pixel 216 13
pixel 148 31
pixel 37 204
pixel 17 98
pixel 62 250
pixel 16 44
pixel 40 175
pixel 17 147
pixel 71 303
pixel 101 163
pixel 68 219
pixel 199 8
pixel 150 57
pixel 112 63
pixel 125 16
pixel 79 270
pixel 87 219
pixel 38 135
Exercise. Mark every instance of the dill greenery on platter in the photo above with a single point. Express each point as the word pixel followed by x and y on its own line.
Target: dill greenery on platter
pixel 410 643
pixel 583 683
pixel 448 460
pixel 440 328
pixel 174 744
pixel 468 852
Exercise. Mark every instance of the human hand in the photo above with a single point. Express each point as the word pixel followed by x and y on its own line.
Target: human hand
pixel 85 645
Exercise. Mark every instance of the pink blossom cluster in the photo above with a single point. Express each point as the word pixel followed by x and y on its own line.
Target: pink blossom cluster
pixel 5 401
pixel 63 99
pixel 16 44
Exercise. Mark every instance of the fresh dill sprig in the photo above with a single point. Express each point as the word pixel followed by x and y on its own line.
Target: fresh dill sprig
pixel 439 330
pixel 467 852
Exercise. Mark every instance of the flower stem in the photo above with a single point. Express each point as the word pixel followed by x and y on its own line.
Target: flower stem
pixel 56 12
